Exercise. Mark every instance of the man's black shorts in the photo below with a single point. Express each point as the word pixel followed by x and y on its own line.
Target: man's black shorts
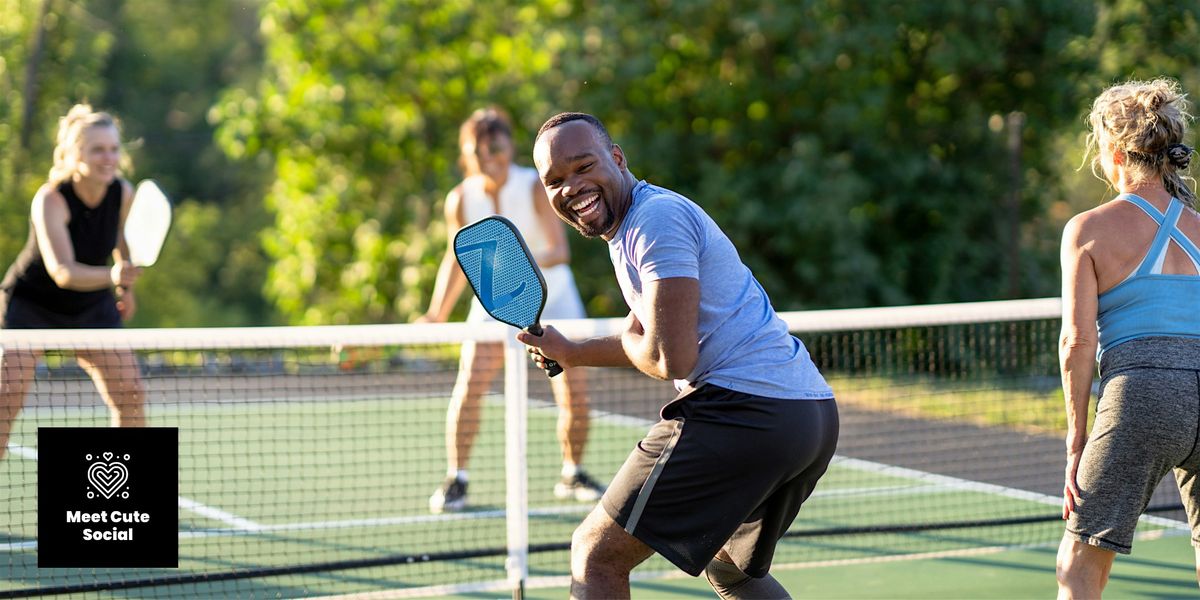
pixel 723 469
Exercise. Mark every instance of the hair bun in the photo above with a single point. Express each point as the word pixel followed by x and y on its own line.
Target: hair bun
pixel 1180 155
pixel 78 112
pixel 1154 100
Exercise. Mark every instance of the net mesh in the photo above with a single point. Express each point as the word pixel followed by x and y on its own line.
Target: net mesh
pixel 308 455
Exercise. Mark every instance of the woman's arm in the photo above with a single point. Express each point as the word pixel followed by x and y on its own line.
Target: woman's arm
pixel 1077 344
pixel 450 279
pixel 559 251
pixel 50 215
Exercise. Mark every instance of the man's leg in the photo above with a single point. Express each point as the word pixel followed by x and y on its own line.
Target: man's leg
pixel 602 555
pixel 729 582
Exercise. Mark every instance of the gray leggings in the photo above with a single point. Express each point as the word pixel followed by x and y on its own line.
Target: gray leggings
pixel 1146 424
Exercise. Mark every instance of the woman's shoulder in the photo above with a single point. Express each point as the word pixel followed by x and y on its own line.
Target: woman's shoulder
pixel 49 193
pixel 1113 218
pixel 126 187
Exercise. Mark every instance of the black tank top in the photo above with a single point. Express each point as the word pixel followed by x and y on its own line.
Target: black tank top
pixel 93 236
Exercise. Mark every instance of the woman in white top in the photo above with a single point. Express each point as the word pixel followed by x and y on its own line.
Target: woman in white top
pixel 495 186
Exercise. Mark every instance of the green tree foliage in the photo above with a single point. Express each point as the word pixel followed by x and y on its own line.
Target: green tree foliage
pixel 844 145
pixel 856 151
pixel 73 46
pixel 1133 39
pixel 359 108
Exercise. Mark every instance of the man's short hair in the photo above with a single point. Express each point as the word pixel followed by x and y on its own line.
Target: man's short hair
pixel 567 117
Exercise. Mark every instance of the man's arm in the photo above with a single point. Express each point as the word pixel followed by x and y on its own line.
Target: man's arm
pixel 666 347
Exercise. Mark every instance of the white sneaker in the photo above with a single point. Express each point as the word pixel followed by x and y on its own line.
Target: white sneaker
pixel 580 487
pixel 451 497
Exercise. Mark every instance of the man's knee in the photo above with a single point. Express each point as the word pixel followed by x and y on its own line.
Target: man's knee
pixel 730 582
pixel 600 545
pixel 586 548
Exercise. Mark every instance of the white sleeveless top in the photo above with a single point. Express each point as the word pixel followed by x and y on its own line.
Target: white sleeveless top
pixel 516 204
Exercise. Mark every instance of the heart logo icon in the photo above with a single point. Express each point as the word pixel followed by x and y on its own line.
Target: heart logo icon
pixel 107 478
pixel 108 456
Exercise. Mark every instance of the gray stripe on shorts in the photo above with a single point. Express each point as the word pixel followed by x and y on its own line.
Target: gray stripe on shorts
pixel 639 505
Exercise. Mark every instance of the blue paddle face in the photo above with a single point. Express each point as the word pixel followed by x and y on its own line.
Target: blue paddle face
pixel 501 270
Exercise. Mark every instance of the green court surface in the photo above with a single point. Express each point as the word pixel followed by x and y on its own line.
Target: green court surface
pixel 1160 569
pixel 272 484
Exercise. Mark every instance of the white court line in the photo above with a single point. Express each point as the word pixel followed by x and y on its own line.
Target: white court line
pixel 23 451
pixel 203 510
pixel 217 514
pixel 976 486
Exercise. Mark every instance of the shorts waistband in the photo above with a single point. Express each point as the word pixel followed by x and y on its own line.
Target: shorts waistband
pixel 1159 352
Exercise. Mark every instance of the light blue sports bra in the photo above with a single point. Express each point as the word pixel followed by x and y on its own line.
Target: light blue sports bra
pixel 1149 303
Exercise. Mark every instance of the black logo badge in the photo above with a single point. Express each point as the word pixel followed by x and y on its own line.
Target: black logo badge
pixel 108 497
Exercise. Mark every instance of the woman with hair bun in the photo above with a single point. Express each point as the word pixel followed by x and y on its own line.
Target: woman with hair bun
pixel 62 278
pixel 1131 277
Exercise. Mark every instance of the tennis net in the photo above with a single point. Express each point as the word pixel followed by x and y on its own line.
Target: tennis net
pixel 308 455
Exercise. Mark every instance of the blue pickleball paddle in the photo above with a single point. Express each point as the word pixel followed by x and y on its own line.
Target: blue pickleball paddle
pixel 503 274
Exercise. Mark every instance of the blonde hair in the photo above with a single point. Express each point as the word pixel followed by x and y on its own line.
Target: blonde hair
pixel 1147 121
pixel 69 143
pixel 483 123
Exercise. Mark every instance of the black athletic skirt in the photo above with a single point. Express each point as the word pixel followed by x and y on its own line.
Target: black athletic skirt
pixel 19 313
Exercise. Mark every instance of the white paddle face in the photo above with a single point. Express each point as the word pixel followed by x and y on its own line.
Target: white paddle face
pixel 147 224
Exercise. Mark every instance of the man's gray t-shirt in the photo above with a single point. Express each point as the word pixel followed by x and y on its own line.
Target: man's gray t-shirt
pixel 744 345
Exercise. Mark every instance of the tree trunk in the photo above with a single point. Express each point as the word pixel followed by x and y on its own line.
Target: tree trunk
pixel 29 95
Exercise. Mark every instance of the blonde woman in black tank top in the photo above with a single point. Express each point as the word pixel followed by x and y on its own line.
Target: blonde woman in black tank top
pixel 62 278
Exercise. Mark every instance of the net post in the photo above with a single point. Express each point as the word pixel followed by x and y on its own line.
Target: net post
pixel 516 402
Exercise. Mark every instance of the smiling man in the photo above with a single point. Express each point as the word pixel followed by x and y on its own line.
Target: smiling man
pixel 718 480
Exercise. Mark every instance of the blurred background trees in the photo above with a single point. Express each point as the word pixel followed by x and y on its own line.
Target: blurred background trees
pixel 858 152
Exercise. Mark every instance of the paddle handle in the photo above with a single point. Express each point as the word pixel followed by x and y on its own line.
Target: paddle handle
pixel 552 367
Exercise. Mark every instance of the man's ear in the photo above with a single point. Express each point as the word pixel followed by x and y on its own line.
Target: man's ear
pixel 618 156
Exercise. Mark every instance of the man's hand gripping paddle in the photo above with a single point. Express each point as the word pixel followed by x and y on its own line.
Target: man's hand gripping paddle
pixel 503 274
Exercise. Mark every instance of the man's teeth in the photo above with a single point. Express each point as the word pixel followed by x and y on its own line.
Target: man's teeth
pixel 585 206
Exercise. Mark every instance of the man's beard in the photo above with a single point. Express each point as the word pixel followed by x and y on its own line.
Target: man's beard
pixel 588 230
